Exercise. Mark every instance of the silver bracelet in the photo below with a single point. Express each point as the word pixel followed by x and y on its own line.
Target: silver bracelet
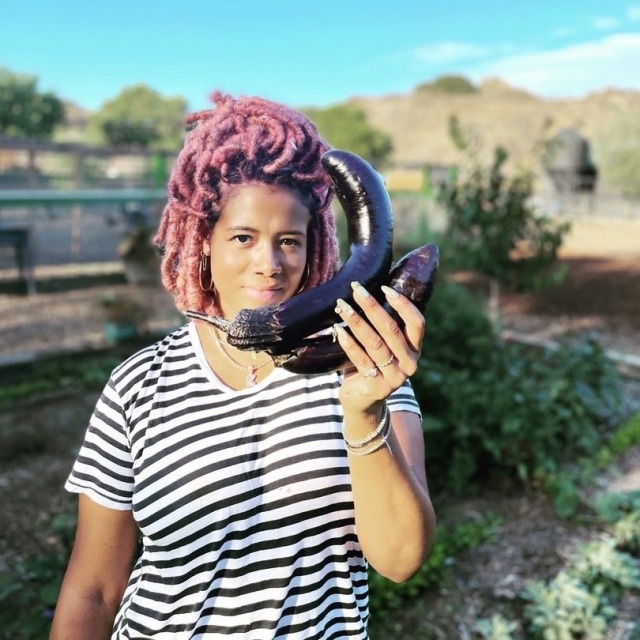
pixel 365 451
pixel 384 424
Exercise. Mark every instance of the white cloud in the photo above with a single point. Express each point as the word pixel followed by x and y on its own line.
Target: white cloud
pixel 633 12
pixel 444 52
pixel 571 71
pixel 604 23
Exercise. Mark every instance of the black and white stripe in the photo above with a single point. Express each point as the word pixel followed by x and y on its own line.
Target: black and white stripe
pixel 243 499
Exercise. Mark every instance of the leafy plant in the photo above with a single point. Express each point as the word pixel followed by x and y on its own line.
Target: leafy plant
pixel 492 226
pixel 579 601
pixel 28 595
pixel 604 568
pixel 504 409
pixel 496 628
pixel 626 435
pixel 88 372
pixel 611 507
pixel 626 532
pixel 566 610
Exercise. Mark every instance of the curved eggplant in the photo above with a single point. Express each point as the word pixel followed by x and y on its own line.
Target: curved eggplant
pixel 281 328
pixel 414 276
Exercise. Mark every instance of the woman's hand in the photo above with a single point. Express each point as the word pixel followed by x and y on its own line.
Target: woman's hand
pixel 394 515
pixel 382 354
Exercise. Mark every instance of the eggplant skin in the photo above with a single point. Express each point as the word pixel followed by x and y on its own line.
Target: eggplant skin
pixel 414 276
pixel 282 328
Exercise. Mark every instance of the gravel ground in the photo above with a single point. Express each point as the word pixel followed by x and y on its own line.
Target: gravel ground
pixel 66 314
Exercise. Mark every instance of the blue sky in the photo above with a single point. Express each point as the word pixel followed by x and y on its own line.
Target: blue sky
pixel 318 53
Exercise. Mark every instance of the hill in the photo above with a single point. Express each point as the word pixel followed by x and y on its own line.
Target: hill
pixel 496 114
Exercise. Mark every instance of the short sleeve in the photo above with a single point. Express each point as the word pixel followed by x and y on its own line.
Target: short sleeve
pixel 404 399
pixel 103 469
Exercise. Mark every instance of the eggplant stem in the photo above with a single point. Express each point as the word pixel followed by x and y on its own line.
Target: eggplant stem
pixel 217 322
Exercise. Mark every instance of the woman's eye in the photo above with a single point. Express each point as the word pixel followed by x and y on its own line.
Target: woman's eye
pixel 291 242
pixel 242 238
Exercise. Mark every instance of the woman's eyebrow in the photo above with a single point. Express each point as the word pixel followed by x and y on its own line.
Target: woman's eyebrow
pixel 287 232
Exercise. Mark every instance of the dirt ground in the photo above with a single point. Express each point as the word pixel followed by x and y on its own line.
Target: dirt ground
pixel 600 294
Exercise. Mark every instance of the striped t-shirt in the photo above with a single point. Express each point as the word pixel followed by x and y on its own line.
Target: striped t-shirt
pixel 242 498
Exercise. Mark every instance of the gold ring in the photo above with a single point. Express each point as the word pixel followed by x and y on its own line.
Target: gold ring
pixel 387 363
pixel 370 373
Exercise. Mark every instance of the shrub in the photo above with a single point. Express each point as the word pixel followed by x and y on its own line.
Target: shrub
pixel 565 609
pixel 28 594
pixel 496 628
pixel 492 408
pixel 626 435
pixel 493 227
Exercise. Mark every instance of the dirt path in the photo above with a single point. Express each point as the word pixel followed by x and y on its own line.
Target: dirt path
pixel 603 238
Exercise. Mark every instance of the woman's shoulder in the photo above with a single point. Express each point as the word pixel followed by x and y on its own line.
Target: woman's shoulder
pixel 173 347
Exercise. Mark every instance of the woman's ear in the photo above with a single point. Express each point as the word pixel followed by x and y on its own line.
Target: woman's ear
pixel 206 246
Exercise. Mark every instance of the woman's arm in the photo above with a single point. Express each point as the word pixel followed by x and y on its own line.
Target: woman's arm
pixel 395 520
pixel 97 575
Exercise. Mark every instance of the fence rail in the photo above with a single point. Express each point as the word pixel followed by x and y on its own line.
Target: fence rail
pixel 55 227
pixel 55 197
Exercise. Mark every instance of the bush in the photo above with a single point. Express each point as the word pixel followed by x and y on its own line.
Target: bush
pixel 580 602
pixel 501 409
pixel 29 593
pixel 493 227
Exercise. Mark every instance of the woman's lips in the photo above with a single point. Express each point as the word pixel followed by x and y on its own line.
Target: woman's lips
pixel 264 296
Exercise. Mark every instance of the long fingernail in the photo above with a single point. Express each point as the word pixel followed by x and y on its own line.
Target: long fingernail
pixel 389 292
pixel 343 307
pixel 338 330
pixel 359 289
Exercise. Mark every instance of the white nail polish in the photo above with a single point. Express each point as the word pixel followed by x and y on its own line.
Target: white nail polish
pixel 388 291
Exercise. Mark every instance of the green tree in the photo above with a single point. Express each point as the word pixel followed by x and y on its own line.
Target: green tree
pixel 452 84
pixel 346 127
pixel 492 227
pixel 142 117
pixel 24 111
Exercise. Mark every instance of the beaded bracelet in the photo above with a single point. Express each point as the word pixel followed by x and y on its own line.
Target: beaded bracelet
pixel 358 444
pixel 359 448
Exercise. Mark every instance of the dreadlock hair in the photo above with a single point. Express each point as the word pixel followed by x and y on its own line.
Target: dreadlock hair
pixel 241 141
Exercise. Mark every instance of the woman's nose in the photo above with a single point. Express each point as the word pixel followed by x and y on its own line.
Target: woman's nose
pixel 268 260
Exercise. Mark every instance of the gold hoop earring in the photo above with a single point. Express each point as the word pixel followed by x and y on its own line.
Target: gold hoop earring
pixel 205 268
pixel 305 277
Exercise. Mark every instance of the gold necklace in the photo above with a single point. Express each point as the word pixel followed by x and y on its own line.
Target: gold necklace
pixel 250 369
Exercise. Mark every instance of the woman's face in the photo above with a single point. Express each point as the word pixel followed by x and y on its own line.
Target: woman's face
pixel 258 248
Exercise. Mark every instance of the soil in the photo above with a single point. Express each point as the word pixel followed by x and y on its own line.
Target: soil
pixel 600 294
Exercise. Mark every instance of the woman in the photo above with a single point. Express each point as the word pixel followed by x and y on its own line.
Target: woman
pixel 219 495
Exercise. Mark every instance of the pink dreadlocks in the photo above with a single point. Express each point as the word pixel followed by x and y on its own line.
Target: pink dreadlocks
pixel 239 141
